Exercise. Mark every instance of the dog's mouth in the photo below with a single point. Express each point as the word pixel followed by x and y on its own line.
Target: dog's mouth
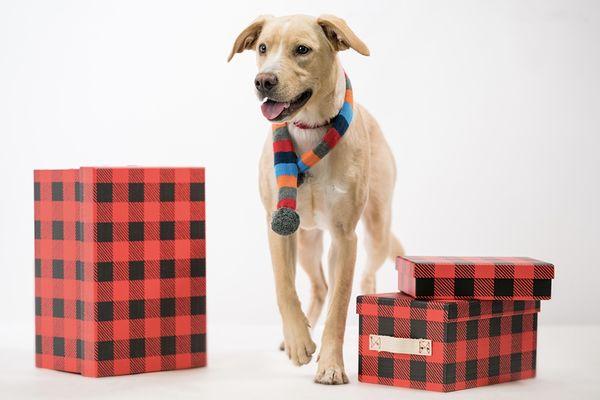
pixel 279 110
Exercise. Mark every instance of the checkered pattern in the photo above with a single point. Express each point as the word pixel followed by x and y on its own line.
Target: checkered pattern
pixel 120 270
pixel 474 343
pixel 481 278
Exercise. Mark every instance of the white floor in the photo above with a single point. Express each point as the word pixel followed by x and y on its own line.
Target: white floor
pixel 244 364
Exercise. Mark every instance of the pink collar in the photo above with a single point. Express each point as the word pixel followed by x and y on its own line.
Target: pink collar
pixel 302 125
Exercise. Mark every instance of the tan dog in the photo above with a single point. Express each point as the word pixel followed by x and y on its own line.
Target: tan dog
pixel 299 68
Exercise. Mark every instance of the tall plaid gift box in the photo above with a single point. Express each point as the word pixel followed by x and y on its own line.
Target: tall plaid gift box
pixel 482 278
pixel 120 270
pixel 445 345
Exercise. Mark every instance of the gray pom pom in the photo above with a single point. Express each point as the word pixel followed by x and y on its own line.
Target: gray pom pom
pixel 285 221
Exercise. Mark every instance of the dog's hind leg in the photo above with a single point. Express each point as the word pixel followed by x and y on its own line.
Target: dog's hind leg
pixel 380 242
pixel 310 252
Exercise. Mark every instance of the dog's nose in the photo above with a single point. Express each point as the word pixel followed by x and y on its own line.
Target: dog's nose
pixel 265 82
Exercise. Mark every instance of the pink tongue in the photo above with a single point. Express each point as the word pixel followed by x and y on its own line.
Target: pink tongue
pixel 271 109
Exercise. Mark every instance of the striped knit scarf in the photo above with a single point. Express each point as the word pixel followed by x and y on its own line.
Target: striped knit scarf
pixel 290 170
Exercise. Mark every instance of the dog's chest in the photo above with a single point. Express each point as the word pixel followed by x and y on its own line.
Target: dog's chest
pixel 315 198
pixel 305 139
pixel 323 186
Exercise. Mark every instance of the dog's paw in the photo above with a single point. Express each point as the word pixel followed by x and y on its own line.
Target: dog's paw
pixel 331 365
pixel 331 375
pixel 298 345
pixel 282 345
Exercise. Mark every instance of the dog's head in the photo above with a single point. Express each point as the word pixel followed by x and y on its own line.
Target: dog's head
pixel 296 56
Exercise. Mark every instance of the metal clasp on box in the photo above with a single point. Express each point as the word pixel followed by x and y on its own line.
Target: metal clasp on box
pixel 420 347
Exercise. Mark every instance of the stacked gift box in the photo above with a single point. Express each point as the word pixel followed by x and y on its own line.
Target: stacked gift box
pixel 120 270
pixel 456 323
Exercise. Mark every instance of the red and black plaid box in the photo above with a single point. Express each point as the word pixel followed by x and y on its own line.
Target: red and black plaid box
pixel 482 278
pixel 120 270
pixel 445 345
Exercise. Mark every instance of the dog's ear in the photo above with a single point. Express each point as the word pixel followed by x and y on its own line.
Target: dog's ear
pixel 340 35
pixel 247 39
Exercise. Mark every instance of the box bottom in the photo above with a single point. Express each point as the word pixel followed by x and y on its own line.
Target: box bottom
pixel 99 369
pixel 438 387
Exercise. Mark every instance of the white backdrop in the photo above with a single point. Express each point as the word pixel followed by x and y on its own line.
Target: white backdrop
pixel 492 110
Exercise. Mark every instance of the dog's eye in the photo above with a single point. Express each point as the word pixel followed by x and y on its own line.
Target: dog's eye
pixel 301 49
pixel 262 49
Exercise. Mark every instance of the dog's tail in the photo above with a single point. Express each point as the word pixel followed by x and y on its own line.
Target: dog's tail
pixel 396 248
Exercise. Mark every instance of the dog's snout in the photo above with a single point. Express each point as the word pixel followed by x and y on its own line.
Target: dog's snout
pixel 265 82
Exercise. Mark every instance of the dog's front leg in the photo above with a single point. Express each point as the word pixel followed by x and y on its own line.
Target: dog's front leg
pixel 342 258
pixel 298 344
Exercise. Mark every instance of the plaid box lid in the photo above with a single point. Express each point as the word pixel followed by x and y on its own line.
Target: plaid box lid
pixel 444 310
pixel 120 267
pixel 482 278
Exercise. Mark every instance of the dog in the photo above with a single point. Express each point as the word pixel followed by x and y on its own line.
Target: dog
pixel 299 67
